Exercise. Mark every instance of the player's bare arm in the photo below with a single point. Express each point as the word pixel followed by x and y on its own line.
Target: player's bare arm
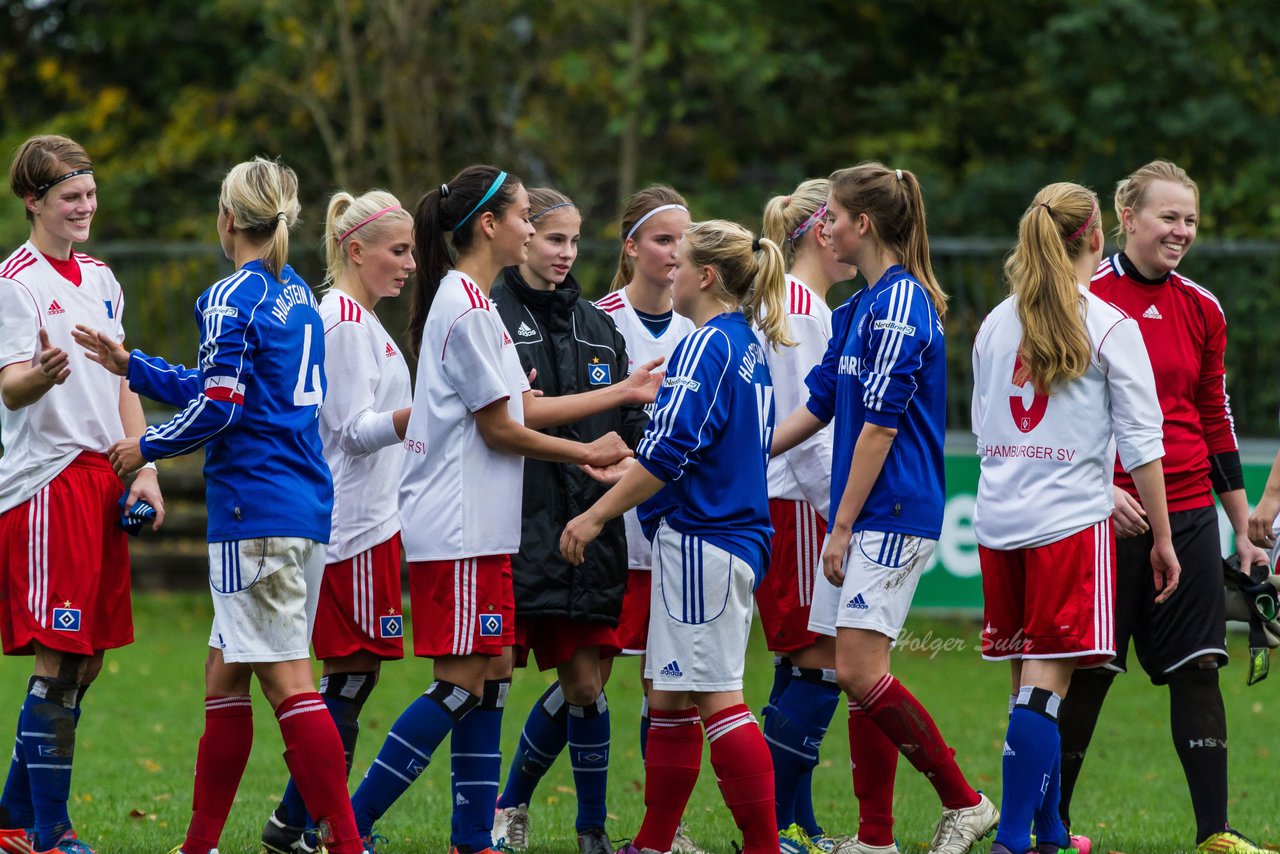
pixel 1263 518
pixel 146 483
pixel 22 385
pixel 1149 479
pixel 502 433
pixel 797 427
pixel 869 455
pixel 641 386
pixel 637 485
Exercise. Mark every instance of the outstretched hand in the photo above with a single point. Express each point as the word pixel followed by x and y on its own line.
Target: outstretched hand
pixel 642 384
pixel 54 363
pixel 611 473
pixel 102 348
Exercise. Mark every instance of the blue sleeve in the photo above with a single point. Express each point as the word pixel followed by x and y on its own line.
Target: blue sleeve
pixel 691 407
pixel 901 324
pixel 821 379
pixel 155 378
pixel 226 368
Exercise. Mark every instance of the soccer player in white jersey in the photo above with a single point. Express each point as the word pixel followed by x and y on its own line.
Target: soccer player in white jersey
pixel 1061 384
pixel 254 402
pixel 461 487
pixel 369 255
pixel 700 482
pixel 883 381
pixel 64 564
pixel 805 693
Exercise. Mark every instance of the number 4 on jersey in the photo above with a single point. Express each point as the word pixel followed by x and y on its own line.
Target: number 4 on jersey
pixel 302 396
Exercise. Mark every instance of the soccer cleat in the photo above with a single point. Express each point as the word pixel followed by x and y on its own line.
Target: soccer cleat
pixel 959 829
pixel 793 840
pixel 281 838
pixel 1075 845
pixel 682 844
pixel 369 844
pixel 593 840
pixel 853 846
pixel 69 843
pixel 628 848
pixel 15 841
pixel 511 827
pixel 1229 842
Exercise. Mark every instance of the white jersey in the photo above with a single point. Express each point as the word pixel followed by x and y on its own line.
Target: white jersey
pixel 642 347
pixel 368 381
pixel 82 414
pixel 1048 460
pixel 804 472
pixel 459 498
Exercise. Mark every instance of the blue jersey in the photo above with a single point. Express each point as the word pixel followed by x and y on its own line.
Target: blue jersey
pixel 253 403
pixel 709 442
pixel 887 365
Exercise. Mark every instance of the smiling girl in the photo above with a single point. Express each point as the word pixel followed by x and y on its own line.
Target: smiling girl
pixel 369 250
pixel 473 422
pixel 64 564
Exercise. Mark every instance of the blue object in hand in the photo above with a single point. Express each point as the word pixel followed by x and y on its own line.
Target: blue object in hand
pixel 133 518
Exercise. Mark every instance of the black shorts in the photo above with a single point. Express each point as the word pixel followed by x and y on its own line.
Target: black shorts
pixel 1193 623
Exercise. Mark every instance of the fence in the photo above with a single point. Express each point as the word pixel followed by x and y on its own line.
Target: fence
pixel 162 280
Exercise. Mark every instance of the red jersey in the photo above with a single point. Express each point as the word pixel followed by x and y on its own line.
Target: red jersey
pixel 1185 332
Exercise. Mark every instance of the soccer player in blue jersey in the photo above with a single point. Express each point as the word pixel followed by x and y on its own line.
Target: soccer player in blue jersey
pixel 883 381
pixel 701 487
pixel 253 403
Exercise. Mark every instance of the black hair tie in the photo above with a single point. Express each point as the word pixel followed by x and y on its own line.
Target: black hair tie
pixel 755 244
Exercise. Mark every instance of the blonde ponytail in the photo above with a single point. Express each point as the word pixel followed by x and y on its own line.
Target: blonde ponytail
pixel 1041 273
pixel 750 271
pixel 368 219
pixel 787 219
pixel 262 197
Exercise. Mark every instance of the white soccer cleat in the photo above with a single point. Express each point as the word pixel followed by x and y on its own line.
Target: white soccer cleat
pixel 959 829
pixel 682 844
pixel 511 827
pixel 853 846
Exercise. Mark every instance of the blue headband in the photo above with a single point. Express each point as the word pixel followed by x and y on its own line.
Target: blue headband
pixel 493 188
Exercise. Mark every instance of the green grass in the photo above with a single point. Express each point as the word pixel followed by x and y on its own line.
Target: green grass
pixel 137 740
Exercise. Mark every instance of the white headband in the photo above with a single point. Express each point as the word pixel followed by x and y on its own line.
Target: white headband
pixel 642 220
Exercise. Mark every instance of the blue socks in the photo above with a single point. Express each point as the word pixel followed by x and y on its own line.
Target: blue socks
pixel 476 761
pixel 589 752
pixel 15 804
pixel 794 731
pixel 408 748
pixel 544 735
pixel 1031 756
pixel 344 695
pixel 49 717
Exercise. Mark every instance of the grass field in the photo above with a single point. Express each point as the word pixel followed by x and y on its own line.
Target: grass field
pixel 137 739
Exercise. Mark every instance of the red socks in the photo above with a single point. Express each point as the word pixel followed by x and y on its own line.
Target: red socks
pixel 744 770
pixel 874 759
pixel 672 760
pixel 220 761
pixel 313 752
pixel 901 717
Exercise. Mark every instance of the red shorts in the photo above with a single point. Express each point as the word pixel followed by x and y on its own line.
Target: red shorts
pixel 632 634
pixel 554 640
pixel 360 603
pixel 462 607
pixel 64 565
pixel 1054 601
pixel 784 594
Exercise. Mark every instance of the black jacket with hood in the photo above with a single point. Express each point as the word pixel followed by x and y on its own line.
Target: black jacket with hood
pixel 575 347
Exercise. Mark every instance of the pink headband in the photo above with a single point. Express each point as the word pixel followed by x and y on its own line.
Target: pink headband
pixel 814 219
pixel 1088 222
pixel 366 221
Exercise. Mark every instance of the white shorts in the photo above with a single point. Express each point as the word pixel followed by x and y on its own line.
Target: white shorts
pixel 265 593
pixel 881 572
pixel 700 615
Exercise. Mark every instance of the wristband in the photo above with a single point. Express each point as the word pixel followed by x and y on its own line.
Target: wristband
pixel 151 466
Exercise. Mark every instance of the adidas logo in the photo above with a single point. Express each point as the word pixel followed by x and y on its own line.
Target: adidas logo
pixel 390 352
pixel 1153 313
pixel 460 800
pixel 1008 751
pixel 54 308
pixel 857 603
pixel 525 330
pixel 672 669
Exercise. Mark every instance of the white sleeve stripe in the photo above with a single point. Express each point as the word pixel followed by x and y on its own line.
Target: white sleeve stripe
pixel 900 302
pixel 689 358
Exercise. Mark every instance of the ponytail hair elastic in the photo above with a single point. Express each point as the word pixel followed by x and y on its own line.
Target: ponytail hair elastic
pixel 898 172
pixel 444 191
pixel 755 244
pixel 488 194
